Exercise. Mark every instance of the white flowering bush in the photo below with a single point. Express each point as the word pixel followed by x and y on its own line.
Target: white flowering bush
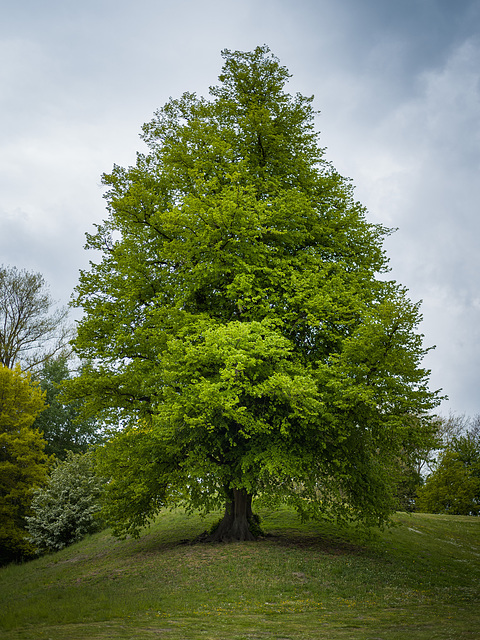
pixel 66 508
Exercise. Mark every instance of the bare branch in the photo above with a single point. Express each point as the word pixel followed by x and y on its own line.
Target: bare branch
pixel 29 333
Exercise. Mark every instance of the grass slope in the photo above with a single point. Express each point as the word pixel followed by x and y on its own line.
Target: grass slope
pixel 419 580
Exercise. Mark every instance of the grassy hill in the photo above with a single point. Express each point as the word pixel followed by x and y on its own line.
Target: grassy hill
pixel 419 580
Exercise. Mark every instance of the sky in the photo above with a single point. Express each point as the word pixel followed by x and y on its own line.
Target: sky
pixel 397 85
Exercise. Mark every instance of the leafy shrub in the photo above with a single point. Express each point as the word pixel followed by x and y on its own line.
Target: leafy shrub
pixel 66 509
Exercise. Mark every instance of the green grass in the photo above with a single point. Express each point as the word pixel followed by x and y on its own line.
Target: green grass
pixel 419 580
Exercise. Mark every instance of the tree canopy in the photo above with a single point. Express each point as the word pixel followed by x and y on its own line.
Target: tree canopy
pixel 23 462
pixel 62 424
pixel 244 338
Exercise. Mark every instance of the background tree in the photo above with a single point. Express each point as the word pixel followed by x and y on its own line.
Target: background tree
pixel 29 333
pixel 62 425
pixel 417 460
pixel 65 510
pixel 23 463
pixel 455 425
pixel 240 327
pixel 454 485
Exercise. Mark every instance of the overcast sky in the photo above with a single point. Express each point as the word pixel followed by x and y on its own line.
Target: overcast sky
pixel 397 84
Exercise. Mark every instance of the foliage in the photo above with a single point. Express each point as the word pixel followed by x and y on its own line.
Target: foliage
pixel 23 462
pixel 409 481
pixel 66 509
pixel 243 337
pixel 415 460
pixel 454 486
pixel 29 334
pixel 62 424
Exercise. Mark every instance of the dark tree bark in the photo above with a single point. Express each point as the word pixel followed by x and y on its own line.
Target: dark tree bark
pixel 237 520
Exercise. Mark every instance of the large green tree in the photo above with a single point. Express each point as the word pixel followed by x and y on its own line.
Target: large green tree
pixel 244 338
pixel 23 462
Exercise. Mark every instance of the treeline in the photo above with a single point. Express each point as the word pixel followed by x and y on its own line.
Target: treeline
pixel 48 488
pixel 51 493
pixel 452 483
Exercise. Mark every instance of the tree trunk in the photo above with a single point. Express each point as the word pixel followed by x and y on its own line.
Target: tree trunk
pixel 236 522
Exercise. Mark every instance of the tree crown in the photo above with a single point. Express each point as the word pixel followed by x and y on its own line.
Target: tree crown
pixel 240 326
